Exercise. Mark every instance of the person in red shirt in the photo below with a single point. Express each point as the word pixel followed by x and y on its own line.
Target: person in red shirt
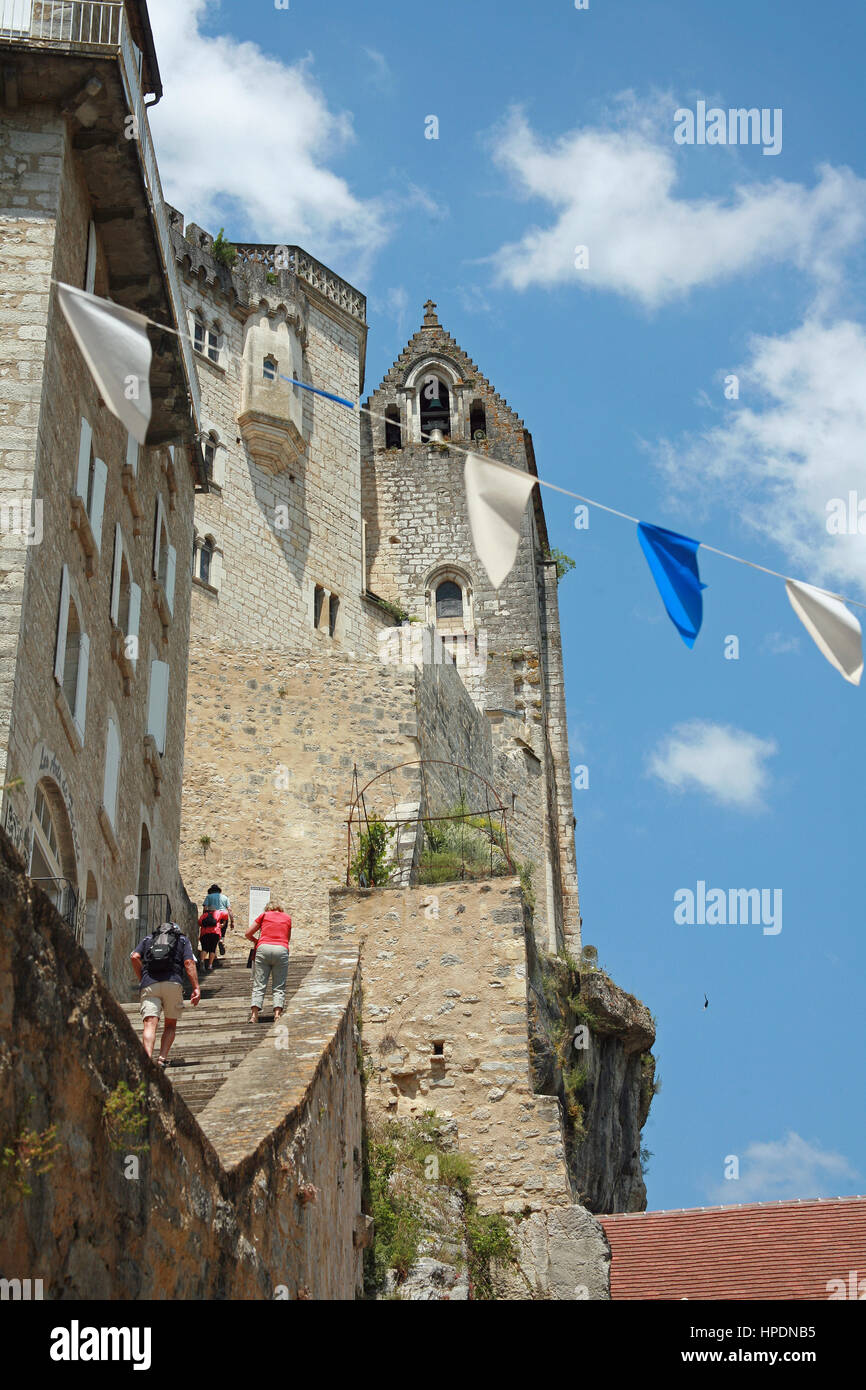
pixel 270 935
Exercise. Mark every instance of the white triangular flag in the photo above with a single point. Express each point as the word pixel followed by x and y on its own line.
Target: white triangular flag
pixel 496 498
pixel 116 348
pixel 832 627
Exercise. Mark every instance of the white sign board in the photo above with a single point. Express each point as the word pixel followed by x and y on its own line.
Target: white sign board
pixel 259 899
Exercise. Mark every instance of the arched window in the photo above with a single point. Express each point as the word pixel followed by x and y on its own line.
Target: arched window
pixel 269 368
pixel 205 558
pixel 393 431
pixel 449 600
pixel 204 548
pixel 435 407
pixel 477 421
pixel 52 858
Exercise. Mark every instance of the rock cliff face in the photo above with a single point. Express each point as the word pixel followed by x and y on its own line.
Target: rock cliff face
pixel 590 1045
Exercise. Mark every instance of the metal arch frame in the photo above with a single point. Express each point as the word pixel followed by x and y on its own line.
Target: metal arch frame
pixel 358 801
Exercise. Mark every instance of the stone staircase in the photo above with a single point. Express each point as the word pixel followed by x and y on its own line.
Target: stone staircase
pixel 215 1036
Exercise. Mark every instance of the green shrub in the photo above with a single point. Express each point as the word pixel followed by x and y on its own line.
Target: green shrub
pixel 223 251
pixel 490 1244
pixel 126 1118
pixel 371 858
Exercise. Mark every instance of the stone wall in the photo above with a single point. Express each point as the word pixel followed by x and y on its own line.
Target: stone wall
pixel 261 1200
pixel 45 389
pixel 272 740
pixel 445 1028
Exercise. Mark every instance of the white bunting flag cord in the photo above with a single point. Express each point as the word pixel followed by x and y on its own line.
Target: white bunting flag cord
pixel 835 632
pixel 116 348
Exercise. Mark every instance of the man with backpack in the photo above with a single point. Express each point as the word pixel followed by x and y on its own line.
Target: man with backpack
pixel 159 961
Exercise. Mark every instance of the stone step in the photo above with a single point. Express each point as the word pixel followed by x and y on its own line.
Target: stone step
pixel 214 1038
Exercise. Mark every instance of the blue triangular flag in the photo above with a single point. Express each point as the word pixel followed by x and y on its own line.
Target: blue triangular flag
pixel 673 561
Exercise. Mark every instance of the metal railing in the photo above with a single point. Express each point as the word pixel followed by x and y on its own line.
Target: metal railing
pixel 92 23
pixel 65 899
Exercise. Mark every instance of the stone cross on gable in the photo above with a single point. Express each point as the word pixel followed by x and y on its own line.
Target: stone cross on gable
pixel 430 319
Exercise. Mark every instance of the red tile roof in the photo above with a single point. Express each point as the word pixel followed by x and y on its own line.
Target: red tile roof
pixel 786 1250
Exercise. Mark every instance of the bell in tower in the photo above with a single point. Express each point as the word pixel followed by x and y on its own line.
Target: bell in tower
pixel 435 409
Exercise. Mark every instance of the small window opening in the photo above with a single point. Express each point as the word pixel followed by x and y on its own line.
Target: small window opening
pixel 318 602
pixel 269 369
pixel 333 610
pixel 439 1049
pixel 477 421
pixel 393 431
pixel 205 558
pixel 449 600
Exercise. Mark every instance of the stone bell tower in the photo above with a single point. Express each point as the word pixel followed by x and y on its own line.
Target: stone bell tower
pixel 432 406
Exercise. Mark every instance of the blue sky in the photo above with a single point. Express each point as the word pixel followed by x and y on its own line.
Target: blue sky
pixel 556 129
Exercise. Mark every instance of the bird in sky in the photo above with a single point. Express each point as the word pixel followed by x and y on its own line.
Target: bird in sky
pixel 706 1002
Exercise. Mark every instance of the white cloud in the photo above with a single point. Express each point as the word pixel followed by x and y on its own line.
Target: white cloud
pixel 613 189
pixel 242 137
pixel 780 643
pixel 378 71
pixel 791 444
pixel 728 764
pixel 786 1168
pixel 434 207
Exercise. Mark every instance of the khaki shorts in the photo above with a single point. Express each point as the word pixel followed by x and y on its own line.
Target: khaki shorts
pixel 167 993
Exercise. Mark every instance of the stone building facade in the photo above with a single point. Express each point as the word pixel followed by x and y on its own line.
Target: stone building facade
pixel 277 558
pixel 431 408
pixel 94 603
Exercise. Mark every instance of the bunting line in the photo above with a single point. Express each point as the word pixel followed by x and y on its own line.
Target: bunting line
pixel 462 449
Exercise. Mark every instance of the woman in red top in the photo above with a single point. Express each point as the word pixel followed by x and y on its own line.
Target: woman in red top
pixel 270 935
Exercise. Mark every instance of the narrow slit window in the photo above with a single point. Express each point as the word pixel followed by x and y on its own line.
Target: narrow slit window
pixel 393 432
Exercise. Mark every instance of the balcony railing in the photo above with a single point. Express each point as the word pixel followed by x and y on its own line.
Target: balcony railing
pixel 102 26
pixel 65 899
pixel 306 268
pixel 92 23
